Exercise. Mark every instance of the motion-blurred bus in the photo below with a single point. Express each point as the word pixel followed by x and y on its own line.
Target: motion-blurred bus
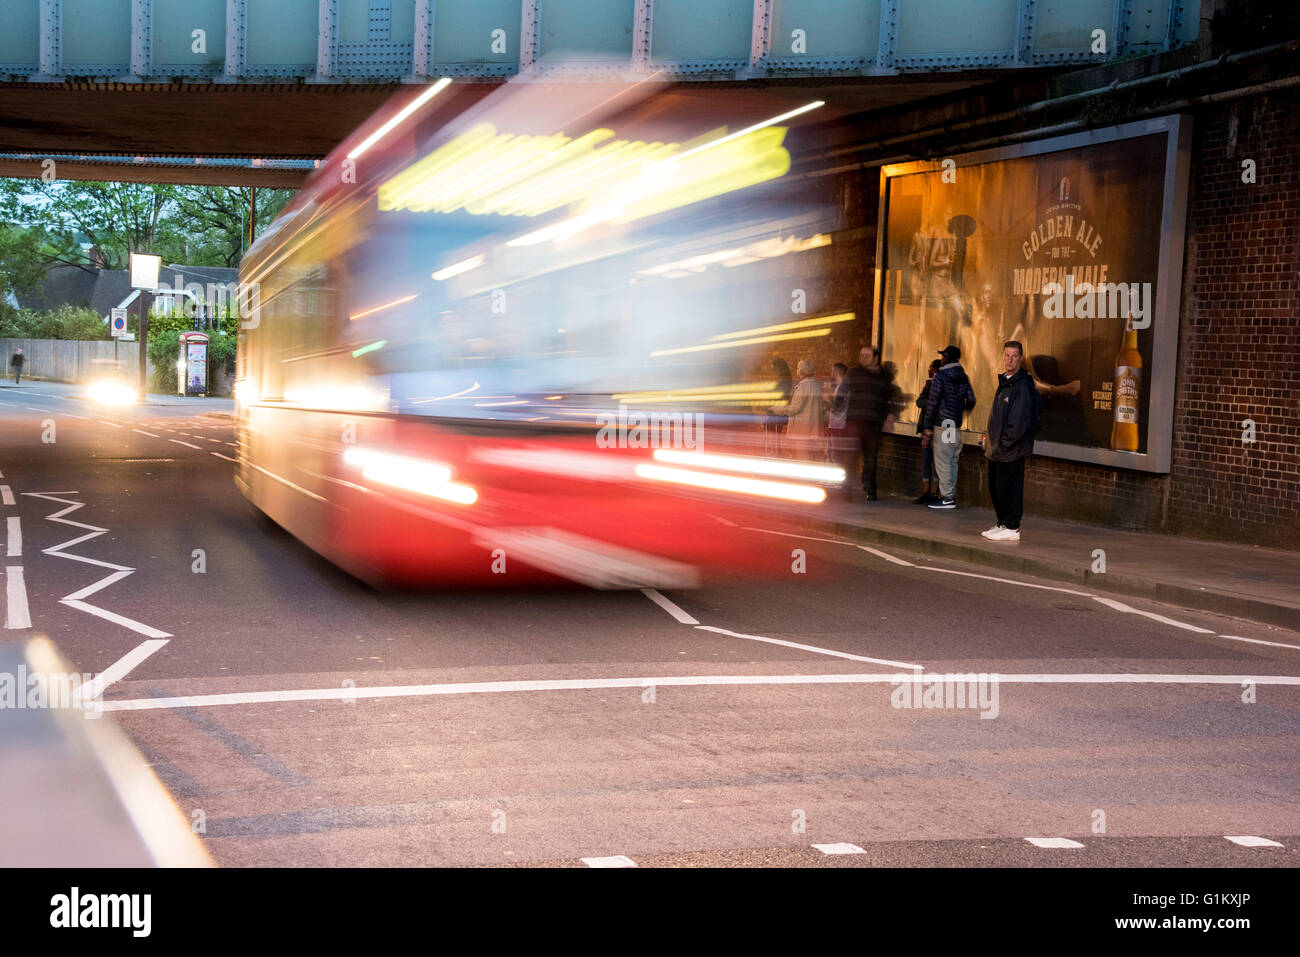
pixel 532 339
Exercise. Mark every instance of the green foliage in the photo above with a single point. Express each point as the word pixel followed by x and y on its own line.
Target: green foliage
pixel 65 322
pixel 164 350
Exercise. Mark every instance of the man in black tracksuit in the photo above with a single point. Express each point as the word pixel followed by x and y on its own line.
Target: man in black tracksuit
pixel 870 397
pixel 1013 422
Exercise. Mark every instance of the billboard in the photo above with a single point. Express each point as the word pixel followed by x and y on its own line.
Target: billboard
pixel 1072 246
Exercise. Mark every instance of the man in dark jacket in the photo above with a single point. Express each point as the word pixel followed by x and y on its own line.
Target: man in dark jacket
pixel 17 362
pixel 1013 422
pixel 951 397
pixel 870 394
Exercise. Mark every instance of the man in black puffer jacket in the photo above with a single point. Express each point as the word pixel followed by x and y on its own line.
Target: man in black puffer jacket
pixel 951 397
pixel 1013 422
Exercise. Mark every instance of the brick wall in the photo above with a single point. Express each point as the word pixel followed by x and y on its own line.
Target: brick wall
pixel 1238 356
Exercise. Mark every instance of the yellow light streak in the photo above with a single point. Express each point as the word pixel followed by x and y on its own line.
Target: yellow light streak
pixel 783 326
pixel 733 483
pixel 387 305
pixel 811 334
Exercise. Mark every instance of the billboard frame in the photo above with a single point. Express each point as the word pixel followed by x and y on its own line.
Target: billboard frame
pixel 1169 277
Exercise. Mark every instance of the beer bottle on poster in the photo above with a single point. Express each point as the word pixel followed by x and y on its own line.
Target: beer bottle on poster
pixel 1128 391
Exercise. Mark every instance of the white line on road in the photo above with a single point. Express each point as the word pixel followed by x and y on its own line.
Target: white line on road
pixel 886 556
pixel 186 444
pixel 1252 841
pixel 803 647
pixel 1261 641
pixel 226 457
pixel 668 606
pixel 72 415
pixel 17 614
pixel 106 422
pixel 594 684
pixel 1130 610
pixel 123 666
pixel 840 847
pixel 6 495
pixel 1053 842
pixel 616 861
pixel 34 409
pixel 14 542
pixel 150 434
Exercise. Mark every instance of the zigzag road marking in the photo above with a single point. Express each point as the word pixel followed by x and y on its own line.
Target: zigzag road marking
pixel 117 573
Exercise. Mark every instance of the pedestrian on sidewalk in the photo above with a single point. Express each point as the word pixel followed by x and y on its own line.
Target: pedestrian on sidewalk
pixel 928 493
pixel 871 393
pixel 837 406
pixel 774 425
pixel 1013 422
pixel 17 362
pixel 951 397
pixel 804 415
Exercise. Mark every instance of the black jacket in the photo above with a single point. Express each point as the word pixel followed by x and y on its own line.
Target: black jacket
pixel 1014 419
pixel 18 360
pixel 922 403
pixel 951 397
pixel 870 395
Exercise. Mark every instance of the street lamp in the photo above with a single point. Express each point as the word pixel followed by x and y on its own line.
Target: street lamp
pixel 144 277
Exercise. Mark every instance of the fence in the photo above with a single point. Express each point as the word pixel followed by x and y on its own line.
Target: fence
pixel 73 360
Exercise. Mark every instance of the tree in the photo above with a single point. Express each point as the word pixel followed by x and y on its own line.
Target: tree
pixel 212 221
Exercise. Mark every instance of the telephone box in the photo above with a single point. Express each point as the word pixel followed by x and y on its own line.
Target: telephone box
pixel 192 364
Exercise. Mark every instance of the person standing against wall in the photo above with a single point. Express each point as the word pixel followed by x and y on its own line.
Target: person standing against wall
pixel 17 362
pixel 1013 422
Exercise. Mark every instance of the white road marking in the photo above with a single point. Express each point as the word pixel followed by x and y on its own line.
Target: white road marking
pixel 1261 641
pixel 596 684
pixel 808 538
pixel 841 847
pixel 226 457
pixel 150 434
pixel 17 614
pixel 669 607
pixel 34 409
pixel 186 444
pixel 6 495
pixel 116 574
pixel 616 861
pixel 812 648
pixel 1251 841
pixel 122 667
pixel 886 556
pixel 1006 581
pixel 72 415
pixel 106 422
pixel 14 542
pixel 1108 602
pixel 232 445
pixel 1130 610
pixel 1053 842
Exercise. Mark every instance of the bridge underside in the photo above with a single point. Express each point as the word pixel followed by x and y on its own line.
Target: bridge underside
pixel 71 122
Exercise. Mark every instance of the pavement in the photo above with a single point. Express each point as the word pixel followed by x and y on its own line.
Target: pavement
pixel 1248 581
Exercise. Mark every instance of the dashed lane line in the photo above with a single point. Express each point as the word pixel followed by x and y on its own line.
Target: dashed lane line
pixel 226 457
pixel 106 422
pixel 1058 843
pixel 618 860
pixel 1249 840
pixel 6 495
pixel 17 614
pixel 840 847
pixel 150 434
pixel 14 537
pixel 186 444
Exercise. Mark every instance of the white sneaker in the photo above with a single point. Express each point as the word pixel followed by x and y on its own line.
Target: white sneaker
pixel 1006 535
pixel 991 532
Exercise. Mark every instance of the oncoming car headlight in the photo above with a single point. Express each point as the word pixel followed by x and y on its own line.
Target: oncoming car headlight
pixel 111 392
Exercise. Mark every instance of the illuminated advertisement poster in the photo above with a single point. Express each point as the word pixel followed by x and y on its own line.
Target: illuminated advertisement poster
pixel 1072 247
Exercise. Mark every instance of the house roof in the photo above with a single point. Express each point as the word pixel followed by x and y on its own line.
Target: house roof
pixel 63 285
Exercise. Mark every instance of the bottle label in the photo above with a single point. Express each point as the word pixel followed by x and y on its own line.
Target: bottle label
pixel 1128 385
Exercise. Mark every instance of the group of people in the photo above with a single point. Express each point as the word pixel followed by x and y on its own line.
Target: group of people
pixel 849 417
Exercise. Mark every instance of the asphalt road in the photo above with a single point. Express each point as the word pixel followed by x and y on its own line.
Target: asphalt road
pixel 485 728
